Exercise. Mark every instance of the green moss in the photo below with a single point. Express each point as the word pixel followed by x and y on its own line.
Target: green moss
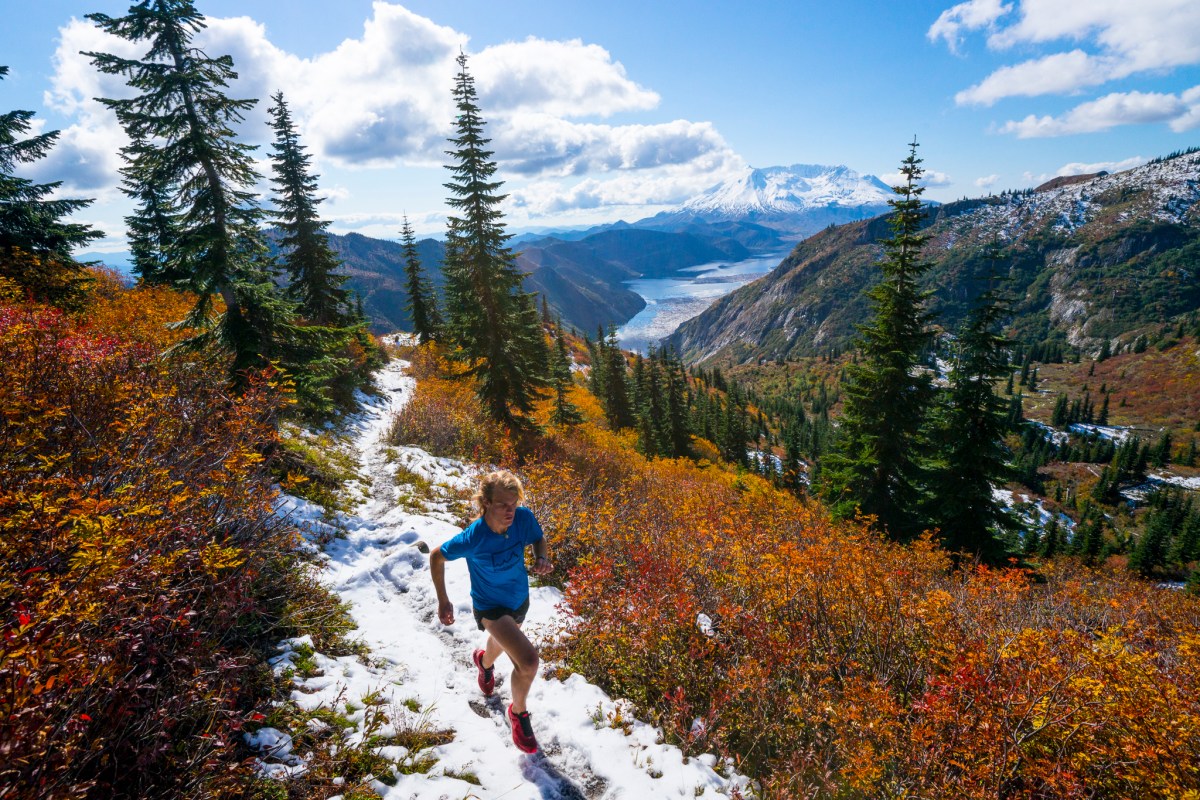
pixel 316 466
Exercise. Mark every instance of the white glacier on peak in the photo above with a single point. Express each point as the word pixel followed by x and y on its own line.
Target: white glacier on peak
pixel 793 189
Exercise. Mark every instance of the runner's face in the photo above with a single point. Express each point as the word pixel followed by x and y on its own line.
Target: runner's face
pixel 500 512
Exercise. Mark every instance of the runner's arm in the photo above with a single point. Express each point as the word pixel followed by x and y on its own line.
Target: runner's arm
pixel 542 565
pixel 437 569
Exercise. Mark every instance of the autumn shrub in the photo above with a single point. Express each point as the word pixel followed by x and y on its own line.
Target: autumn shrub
pixel 444 417
pixel 829 662
pixel 141 557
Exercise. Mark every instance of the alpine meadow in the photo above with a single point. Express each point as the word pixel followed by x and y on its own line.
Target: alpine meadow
pixel 820 482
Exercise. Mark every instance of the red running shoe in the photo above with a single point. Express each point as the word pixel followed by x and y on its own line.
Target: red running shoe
pixel 487 678
pixel 522 731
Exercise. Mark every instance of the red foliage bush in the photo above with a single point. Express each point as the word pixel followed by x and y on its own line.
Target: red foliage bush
pixel 135 520
pixel 838 664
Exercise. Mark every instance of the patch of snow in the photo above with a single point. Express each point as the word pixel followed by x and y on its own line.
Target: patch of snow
pixel 1032 511
pixel 275 745
pixel 1050 433
pixel 1110 432
pixel 1192 483
pixel 401 339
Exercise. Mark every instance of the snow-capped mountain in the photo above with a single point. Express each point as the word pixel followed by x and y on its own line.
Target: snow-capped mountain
pixel 797 200
pixel 791 190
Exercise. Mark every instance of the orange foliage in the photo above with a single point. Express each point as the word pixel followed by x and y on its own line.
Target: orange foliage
pixel 135 520
pixel 444 416
pixel 842 665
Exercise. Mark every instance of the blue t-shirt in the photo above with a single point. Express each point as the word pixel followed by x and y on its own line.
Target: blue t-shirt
pixel 496 562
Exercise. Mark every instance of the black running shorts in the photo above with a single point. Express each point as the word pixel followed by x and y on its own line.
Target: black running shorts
pixel 518 614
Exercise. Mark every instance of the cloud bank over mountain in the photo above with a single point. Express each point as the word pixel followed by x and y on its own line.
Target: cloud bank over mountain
pixel 383 100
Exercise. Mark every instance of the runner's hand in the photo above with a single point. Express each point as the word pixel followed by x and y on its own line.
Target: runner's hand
pixel 446 612
pixel 542 566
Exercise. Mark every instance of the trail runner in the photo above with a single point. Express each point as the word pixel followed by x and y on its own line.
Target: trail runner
pixel 494 547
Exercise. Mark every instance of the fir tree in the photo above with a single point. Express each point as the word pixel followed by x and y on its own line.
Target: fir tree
pixel 1186 546
pixel 195 182
pixel 422 303
pixel 969 435
pixel 490 319
pixel 1051 540
pixel 599 359
pixel 644 408
pixel 733 433
pixel 679 433
pixel 876 468
pixel 1188 457
pixel 1150 552
pixel 1061 416
pixel 315 286
pixel 320 360
pixel 35 240
pixel 565 412
pixel 618 406
pixel 1090 538
pixel 1161 456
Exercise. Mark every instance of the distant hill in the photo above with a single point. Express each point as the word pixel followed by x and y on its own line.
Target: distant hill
pixel 582 280
pixel 1086 261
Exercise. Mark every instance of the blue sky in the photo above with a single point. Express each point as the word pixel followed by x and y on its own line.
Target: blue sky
pixel 615 110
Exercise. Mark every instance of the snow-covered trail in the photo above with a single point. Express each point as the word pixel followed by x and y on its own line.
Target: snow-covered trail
pixel 422 672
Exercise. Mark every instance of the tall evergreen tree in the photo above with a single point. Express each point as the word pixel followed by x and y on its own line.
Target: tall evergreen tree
pixel 490 319
pixel 194 181
pixel 876 467
pixel 35 239
pixel 969 427
pixel 596 354
pixel 422 302
pixel 565 412
pixel 733 436
pixel 618 405
pixel 679 434
pixel 315 286
pixel 323 360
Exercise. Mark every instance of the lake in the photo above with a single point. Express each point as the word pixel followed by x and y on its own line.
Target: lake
pixel 672 301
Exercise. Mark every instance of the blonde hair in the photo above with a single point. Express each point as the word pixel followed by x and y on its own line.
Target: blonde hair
pixel 500 480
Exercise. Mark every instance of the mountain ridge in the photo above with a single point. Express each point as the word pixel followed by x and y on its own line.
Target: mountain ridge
pixel 1087 261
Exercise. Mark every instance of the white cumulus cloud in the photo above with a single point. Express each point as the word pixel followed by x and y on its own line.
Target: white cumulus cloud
pixel 640 191
pixel 930 179
pixel 383 99
pixel 565 79
pixel 1118 108
pixel 1105 40
pixel 969 16
pixel 1061 72
pixel 1080 168
pixel 987 181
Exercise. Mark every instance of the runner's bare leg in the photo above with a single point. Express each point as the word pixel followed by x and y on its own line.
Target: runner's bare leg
pixel 507 635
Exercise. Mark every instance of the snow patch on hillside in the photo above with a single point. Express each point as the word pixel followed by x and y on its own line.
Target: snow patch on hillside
pixel 1167 191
